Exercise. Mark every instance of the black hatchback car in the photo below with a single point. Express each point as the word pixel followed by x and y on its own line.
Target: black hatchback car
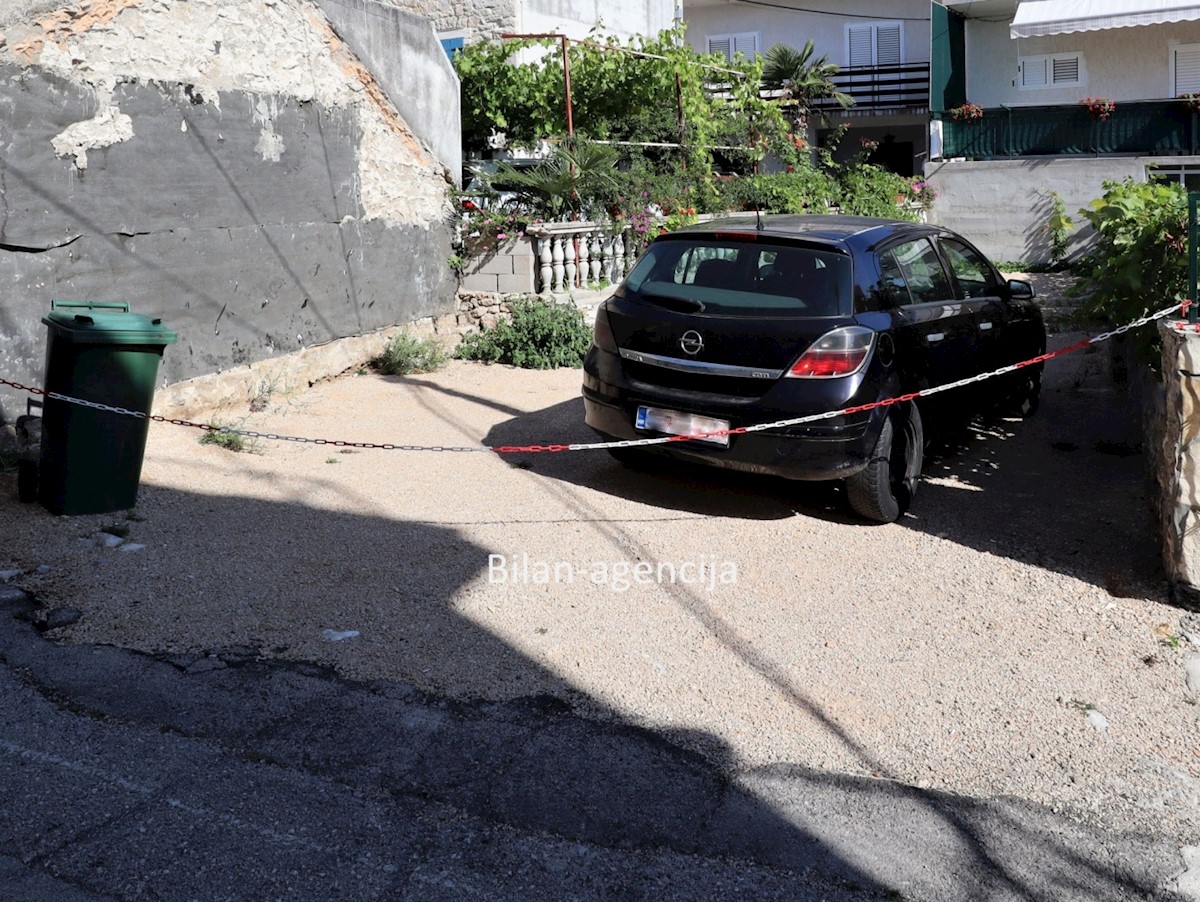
pixel 743 321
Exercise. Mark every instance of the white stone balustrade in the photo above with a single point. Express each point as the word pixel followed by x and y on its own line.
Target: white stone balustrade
pixel 580 255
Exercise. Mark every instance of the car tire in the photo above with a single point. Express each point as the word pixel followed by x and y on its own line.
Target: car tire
pixel 1027 397
pixel 884 488
pixel 27 481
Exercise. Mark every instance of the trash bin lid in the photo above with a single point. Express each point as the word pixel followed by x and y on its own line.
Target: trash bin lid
pixel 95 322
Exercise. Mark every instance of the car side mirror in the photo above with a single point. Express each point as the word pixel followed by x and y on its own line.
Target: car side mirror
pixel 1019 288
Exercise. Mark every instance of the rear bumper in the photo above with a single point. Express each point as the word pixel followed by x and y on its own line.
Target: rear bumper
pixel 809 452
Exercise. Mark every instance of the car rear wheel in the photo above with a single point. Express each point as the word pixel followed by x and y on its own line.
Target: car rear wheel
pixel 1027 397
pixel 884 488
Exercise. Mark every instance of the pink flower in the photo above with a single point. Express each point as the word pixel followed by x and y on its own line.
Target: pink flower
pixel 501 236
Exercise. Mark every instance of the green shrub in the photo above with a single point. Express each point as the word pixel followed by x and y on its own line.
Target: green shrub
pixel 1139 262
pixel 803 191
pixel 404 354
pixel 541 335
pixel 868 190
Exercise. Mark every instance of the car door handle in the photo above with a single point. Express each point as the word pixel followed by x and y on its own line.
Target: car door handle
pixel 934 337
pixel 984 326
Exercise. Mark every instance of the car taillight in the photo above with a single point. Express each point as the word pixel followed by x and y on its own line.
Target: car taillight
pixel 841 352
pixel 603 335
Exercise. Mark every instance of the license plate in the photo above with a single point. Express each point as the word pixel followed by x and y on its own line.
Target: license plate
pixel 673 422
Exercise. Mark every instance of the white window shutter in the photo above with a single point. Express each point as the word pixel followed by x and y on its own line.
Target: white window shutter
pixel 1187 70
pixel 723 46
pixel 1065 70
pixel 887 45
pixel 745 43
pixel 861 39
pixel 1034 72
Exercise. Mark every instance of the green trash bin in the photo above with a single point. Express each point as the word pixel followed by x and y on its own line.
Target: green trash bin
pixel 91 460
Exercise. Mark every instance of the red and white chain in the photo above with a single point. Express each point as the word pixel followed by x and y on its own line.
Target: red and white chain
pixel 627 443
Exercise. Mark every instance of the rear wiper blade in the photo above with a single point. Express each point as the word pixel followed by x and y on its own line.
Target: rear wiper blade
pixel 688 304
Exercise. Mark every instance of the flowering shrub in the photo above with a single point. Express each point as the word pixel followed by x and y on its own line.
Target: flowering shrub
pixel 485 231
pixel 1192 100
pixel 923 193
pixel 1099 108
pixel 967 112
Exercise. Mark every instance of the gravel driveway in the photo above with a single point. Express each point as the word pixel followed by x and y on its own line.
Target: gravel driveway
pixel 1010 637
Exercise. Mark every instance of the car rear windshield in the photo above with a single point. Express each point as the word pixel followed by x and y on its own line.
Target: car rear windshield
pixel 742 278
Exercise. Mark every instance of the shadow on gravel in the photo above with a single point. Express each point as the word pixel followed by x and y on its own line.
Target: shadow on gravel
pixel 532 764
pixel 659 481
pixel 1065 490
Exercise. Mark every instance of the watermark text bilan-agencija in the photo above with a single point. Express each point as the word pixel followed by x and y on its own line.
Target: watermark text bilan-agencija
pixel 706 572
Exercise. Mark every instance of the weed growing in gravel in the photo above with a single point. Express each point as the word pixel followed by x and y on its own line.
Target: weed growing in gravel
pixel 404 354
pixel 1081 706
pixel 332 460
pixel 223 436
pixel 134 517
pixel 120 530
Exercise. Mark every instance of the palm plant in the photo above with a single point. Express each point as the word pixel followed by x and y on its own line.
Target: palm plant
pixel 556 187
pixel 803 80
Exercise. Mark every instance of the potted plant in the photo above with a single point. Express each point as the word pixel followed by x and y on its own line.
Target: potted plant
pixel 967 112
pixel 1192 100
pixel 923 193
pixel 1099 108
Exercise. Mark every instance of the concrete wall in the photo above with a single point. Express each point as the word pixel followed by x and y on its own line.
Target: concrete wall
pixel 828 32
pixel 227 165
pixel 404 56
pixel 575 18
pixel 1121 63
pixel 481 19
pixel 1002 205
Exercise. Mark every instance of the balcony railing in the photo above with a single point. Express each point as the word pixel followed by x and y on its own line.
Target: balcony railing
pixel 1147 127
pixel 882 87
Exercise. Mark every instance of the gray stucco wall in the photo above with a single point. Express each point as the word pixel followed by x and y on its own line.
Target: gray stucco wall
pixel 1003 205
pixel 257 204
pixel 406 58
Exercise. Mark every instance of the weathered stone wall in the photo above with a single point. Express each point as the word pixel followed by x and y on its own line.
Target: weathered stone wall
pixel 227 165
pixel 478 18
pixel 1174 442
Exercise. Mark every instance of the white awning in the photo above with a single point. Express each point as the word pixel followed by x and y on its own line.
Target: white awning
pixel 1038 17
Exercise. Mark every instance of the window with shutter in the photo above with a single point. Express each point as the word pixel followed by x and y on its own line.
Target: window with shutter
pixel 1059 70
pixel 729 45
pixel 1185 61
pixel 862 46
pixel 887 45
pixel 874 44
pixel 1064 70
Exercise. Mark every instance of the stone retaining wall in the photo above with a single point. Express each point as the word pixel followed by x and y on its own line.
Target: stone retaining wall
pixel 1173 444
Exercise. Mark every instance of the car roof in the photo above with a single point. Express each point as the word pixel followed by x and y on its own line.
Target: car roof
pixel 844 230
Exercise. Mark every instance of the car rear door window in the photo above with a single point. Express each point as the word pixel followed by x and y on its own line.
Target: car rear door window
pixel 922 271
pixel 975 276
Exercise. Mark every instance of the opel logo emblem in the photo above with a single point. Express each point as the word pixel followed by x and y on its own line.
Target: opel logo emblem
pixel 692 342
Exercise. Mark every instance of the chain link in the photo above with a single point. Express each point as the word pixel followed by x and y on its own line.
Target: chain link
pixel 624 443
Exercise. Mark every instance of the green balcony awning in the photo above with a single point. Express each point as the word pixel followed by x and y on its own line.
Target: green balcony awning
pixel 1039 17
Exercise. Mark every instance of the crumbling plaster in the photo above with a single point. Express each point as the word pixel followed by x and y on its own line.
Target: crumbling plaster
pixel 263 48
pixel 228 165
